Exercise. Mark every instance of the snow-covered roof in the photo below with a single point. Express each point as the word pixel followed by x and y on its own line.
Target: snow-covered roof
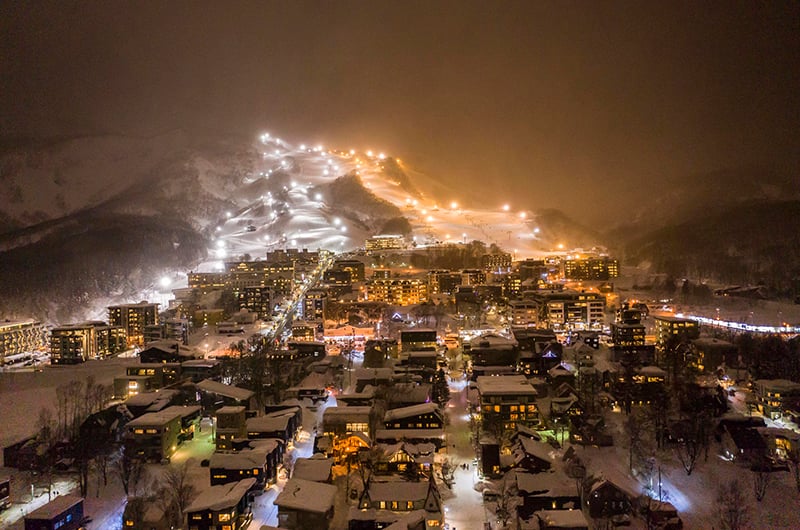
pixel 246 459
pixel 373 373
pixel 398 491
pixel 316 468
pixel 307 496
pixel 267 423
pixel 559 370
pixel 200 363
pixel 162 417
pixel 221 497
pixel 159 398
pixel 358 413
pixel 367 393
pixel 233 392
pixel 552 484
pixel 409 434
pixel 398 520
pixel 653 371
pixel 55 507
pixel 625 483
pixel 492 341
pixel 505 385
pixel 572 519
pixel 423 449
pixel 231 409
pixel 783 385
pixel 540 450
pixel 408 412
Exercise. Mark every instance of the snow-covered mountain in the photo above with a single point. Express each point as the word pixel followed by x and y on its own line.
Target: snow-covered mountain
pixel 89 221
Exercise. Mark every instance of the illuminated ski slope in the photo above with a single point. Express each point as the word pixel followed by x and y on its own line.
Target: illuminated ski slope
pixel 286 212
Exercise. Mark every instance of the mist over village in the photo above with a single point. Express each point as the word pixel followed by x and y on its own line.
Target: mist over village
pixel 416 266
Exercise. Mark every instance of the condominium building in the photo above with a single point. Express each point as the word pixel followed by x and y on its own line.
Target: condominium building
pixel 133 318
pixel 565 310
pixel 76 343
pixel 257 300
pixel 496 262
pixel 591 268
pixel 20 337
pixel 385 242
pixel 397 291
pixel 667 327
pixel 508 399
pixel 354 267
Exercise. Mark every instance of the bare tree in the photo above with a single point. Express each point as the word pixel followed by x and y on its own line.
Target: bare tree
pixel 793 458
pixel 47 436
pixel 732 505
pixel 177 492
pixel 102 459
pixel 130 471
pixel 637 427
pixel 762 476
pixel 691 433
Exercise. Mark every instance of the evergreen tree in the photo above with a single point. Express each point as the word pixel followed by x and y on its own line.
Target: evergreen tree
pixel 440 391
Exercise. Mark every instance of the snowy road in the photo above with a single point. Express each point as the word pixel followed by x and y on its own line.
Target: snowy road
pixel 464 508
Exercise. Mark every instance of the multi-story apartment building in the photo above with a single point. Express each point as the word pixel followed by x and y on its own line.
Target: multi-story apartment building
pixel 508 400
pixel 385 242
pixel 22 336
pixel 492 354
pixel 473 277
pixel 434 280
pixel 450 282
pixel 354 267
pixel 257 300
pixel 535 269
pixel 625 335
pixel 156 435
pixel 667 327
pixel 206 282
pixel 314 304
pixel 381 274
pixel 397 291
pixel 76 343
pixel 591 268
pixel 417 340
pixel 496 262
pixel 524 313
pixel 565 310
pixel 133 318
pixel 279 275
pixel 773 394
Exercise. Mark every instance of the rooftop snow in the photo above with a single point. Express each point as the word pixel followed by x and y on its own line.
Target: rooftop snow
pixel 230 391
pixel 505 385
pixel 221 497
pixel 306 496
pixel 413 410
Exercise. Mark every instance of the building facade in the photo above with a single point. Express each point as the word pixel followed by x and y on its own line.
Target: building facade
pixel 133 318
pixel 21 337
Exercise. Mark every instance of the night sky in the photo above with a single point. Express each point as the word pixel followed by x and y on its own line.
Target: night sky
pixel 546 104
